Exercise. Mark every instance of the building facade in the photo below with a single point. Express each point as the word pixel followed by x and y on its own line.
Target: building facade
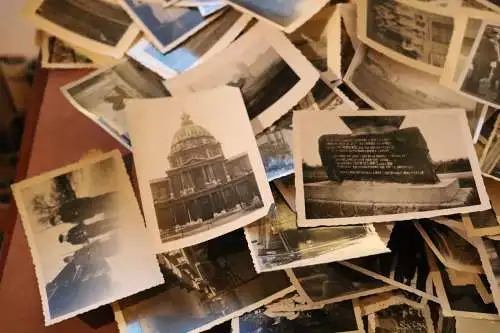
pixel 202 184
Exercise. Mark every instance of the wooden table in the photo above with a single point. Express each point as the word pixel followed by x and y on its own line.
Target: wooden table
pixel 56 134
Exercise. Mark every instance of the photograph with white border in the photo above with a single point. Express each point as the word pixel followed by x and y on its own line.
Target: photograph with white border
pixel 271 73
pixel 57 53
pixel 276 242
pixel 489 251
pixel 166 27
pixel 206 43
pixel 401 30
pixel 98 25
pixel 286 15
pixel 101 95
pixel 86 235
pixel 205 285
pixel 484 223
pixel 384 166
pixel 199 177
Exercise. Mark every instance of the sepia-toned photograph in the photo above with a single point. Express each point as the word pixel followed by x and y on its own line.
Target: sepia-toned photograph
pixel 481 77
pixel 405 267
pixel 99 25
pixel 463 294
pixel 286 15
pixel 205 285
pixel 489 251
pixel 101 95
pixel 339 317
pixel 414 34
pixel 205 43
pixel 453 250
pixel 272 75
pixel 166 27
pixel 199 178
pixel 276 242
pixel 80 221
pixel 58 54
pixel 385 166
pixel 333 282
pixel 482 223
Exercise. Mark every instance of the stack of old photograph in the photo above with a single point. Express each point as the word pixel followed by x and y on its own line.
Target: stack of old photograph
pixel 301 165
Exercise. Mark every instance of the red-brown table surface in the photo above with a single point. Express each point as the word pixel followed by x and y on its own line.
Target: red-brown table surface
pixel 61 136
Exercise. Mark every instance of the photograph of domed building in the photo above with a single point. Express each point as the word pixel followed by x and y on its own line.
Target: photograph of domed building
pixel 203 188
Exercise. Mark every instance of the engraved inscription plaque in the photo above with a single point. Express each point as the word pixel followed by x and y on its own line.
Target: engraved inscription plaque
pixel 400 156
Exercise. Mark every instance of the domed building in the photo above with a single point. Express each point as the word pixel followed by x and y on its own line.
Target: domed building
pixel 202 186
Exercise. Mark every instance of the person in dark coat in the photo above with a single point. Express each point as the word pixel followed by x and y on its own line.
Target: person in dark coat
pixel 82 233
pixel 80 209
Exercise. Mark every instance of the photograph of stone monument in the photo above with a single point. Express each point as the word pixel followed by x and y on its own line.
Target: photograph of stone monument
pixel 384 167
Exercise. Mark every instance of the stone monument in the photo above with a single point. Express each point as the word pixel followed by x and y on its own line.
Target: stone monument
pixel 379 169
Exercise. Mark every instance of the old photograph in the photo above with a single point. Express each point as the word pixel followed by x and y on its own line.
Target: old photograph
pixel 451 248
pixel 479 78
pixel 270 72
pixel 384 166
pixel 99 25
pixel 275 147
pixel 286 15
pixel 205 285
pixel 489 251
pixel 276 242
pixel 482 223
pixel 332 318
pixel 205 43
pixel 204 178
pixel 333 282
pixel 406 267
pixel 414 34
pixel 166 27
pixel 58 54
pixel 80 221
pixel 393 312
pixel 463 294
pixel 101 95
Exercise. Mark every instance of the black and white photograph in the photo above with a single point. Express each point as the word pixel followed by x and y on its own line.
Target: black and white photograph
pixel 101 95
pixel 270 72
pixel 80 221
pixel 463 294
pixel 206 43
pixel 58 54
pixel 384 166
pixel 489 251
pixel 339 317
pixel 276 242
pixel 205 285
pixel 450 247
pixel 99 25
pixel 333 282
pixel 413 33
pixel 166 27
pixel 405 267
pixel 484 223
pixel 199 178
pixel 275 147
pixel 480 79
pixel 393 312
pixel 286 15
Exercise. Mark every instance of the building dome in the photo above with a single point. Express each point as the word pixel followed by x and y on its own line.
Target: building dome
pixel 190 135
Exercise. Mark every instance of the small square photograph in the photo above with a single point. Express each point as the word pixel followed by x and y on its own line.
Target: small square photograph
pixel 342 317
pixel 333 282
pixel 272 75
pixel 410 32
pixel 199 177
pixel 205 285
pixel 86 235
pixel 101 95
pixel 166 26
pixel 98 25
pixel 58 54
pixel 286 15
pixel 384 166
pixel 276 242
pixel 206 43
